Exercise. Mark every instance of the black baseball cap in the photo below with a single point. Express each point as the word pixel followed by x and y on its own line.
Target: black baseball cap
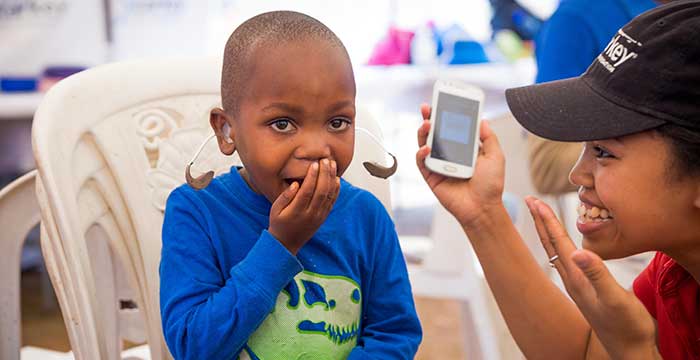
pixel 647 76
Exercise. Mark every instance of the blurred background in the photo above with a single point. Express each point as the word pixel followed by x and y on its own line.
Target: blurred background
pixel 398 49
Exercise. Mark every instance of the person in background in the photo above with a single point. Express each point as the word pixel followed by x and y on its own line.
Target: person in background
pixel 508 14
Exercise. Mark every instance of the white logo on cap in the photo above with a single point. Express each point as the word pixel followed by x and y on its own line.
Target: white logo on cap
pixel 617 53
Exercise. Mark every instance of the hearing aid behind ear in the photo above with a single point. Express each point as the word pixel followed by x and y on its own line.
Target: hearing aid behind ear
pixel 374 168
pixel 226 129
pixel 202 181
pixel 380 171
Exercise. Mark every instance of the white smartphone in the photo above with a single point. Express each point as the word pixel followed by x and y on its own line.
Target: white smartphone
pixel 454 129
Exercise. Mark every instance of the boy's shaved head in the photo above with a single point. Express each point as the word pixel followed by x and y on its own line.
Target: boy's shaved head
pixel 265 30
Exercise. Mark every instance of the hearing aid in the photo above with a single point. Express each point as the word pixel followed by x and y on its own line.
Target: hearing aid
pixel 200 182
pixel 376 169
pixel 226 130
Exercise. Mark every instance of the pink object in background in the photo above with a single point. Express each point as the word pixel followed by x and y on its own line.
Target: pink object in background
pixel 394 49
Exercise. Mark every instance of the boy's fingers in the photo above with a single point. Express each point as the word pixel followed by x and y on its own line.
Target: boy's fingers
pixel 285 198
pixel 606 288
pixel 323 188
pixel 423 131
pixel 333 195
pixel 335 180
pixel 306 191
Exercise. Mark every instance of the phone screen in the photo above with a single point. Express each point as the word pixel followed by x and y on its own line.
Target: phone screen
pixel 455 126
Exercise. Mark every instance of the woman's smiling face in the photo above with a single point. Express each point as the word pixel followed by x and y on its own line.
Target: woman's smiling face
pixel 632 201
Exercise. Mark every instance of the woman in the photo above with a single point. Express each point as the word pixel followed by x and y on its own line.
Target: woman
pixel 637 110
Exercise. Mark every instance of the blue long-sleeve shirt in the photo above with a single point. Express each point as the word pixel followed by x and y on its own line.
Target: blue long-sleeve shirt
pixel 578 31
pixel 230 290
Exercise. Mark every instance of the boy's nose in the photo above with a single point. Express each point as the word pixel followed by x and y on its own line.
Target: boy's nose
pixel 313 148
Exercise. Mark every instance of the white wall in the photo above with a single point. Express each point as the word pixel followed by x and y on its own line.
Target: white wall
pixel 37 33
pixel 164 28
pixel 191 27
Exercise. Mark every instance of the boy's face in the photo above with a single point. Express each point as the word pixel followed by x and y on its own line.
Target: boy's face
pixel 298 107
pixel 649 208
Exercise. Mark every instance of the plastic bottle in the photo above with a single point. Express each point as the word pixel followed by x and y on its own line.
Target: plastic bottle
pixel 424 48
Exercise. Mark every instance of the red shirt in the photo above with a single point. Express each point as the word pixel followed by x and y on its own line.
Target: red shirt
pixel 672 296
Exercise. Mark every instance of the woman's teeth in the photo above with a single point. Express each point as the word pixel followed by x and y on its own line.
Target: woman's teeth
pixel 593 213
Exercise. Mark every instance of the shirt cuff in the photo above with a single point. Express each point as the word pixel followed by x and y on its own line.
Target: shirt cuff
pixel 269 265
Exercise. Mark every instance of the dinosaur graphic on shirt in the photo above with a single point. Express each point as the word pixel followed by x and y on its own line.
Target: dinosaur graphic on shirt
pixel 315 317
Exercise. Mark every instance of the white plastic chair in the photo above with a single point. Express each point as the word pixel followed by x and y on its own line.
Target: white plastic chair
pixel 19 213
pixel 110 144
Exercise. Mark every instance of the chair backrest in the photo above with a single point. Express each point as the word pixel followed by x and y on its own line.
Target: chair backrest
pixel 19 213
pixel 110 144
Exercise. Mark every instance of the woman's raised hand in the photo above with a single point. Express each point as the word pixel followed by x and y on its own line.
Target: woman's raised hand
pixel 618 319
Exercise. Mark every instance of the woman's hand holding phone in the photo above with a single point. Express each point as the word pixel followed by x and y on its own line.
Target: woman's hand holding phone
pixel 467 199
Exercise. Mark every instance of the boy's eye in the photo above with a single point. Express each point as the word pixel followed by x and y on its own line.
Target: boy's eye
pixel 282 125
pixel 339 124
pixel 601 153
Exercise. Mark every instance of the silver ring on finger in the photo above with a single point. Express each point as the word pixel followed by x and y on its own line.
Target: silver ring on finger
pixel 553 259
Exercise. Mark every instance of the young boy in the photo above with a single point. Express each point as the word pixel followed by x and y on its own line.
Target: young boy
pixel 282 259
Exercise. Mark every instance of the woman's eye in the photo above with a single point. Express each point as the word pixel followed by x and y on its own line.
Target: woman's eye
pixel 282 125
pixel 339 124
pixel 601 153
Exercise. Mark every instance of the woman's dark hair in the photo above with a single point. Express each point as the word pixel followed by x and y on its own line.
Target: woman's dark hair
pixel 685 146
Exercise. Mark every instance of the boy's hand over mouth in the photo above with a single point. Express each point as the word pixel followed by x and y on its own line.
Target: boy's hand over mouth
pixel 299 211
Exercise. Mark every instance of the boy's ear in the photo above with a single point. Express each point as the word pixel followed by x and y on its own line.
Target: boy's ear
pixel 220 123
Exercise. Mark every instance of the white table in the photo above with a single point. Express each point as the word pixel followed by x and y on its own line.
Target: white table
pixel 19 106
pixel 403 87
